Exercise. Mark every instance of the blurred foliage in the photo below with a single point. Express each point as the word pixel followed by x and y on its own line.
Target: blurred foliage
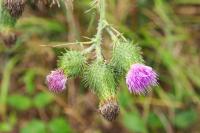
pixel 57 125
pixel 134 122
pixel 169 37
pixel 19 102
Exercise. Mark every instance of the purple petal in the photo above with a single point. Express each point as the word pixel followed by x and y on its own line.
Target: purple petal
pixel 56 80
pixel 140 78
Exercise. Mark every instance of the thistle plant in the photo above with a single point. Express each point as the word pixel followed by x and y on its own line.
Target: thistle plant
pixel 100 75
pixel 10 11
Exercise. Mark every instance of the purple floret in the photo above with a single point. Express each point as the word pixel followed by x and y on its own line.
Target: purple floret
pixel 56 80
pixel 140 78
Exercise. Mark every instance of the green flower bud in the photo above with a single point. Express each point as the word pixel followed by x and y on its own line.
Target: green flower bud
pixel 109 109
pixel 6 20
pixel 124 55
pixel 100 79
pixel 8 36
pixel 72 62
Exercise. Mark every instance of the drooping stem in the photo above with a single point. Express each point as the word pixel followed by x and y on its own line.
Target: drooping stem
pixel 101 26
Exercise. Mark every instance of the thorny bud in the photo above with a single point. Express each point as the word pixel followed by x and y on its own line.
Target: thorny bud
pixel 124 55
pixel 109 109
pixel 72 62
pixel 15 7
pixel 101 80
pixel 8 38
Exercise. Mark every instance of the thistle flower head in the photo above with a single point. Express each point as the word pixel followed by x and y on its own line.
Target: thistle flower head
pixel 140 78
pixel 56 80
pixel 15 7
pixel 109 109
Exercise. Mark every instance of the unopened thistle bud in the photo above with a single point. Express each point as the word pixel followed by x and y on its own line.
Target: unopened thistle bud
pixel 124 55
pixel 56 81
pixel 109 109
pixel 15 7
pixel 101 80
pixel 140 78
pixel 8 37
pixel 72 62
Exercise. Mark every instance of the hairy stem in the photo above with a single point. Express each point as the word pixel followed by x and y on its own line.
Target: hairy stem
pixel 101 26
pixel 88 50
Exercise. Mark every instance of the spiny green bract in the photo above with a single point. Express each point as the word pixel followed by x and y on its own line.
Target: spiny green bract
pixel 124 55
pixel 100 79
pixel 72 62
pixel 6 20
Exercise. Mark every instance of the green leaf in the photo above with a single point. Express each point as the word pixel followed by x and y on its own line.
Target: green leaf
pixel 42 99
pixel 134 122
pixel 8 125
pixel 29 80
pixel 185 119
pixel 19 102
pixel 59 125
pixel 40 26
pixel 34 126
pixel 187 2
pixel 124 98
pixel 5 127
pixel 154 121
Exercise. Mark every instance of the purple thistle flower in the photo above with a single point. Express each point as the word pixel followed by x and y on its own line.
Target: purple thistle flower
pixel 56 80
pixel 140 78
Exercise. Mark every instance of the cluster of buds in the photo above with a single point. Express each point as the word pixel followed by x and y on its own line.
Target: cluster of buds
pixel 103 76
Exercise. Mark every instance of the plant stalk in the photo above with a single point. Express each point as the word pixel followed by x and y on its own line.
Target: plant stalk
pixel 5 85
pixel 101 26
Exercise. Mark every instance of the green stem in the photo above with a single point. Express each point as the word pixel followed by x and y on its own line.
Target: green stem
pixel 101 26
pixel 73 30
pixel 89 49
pixel 5 84
pixel 112 35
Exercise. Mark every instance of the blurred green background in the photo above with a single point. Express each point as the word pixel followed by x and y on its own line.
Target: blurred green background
pixel 168 32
